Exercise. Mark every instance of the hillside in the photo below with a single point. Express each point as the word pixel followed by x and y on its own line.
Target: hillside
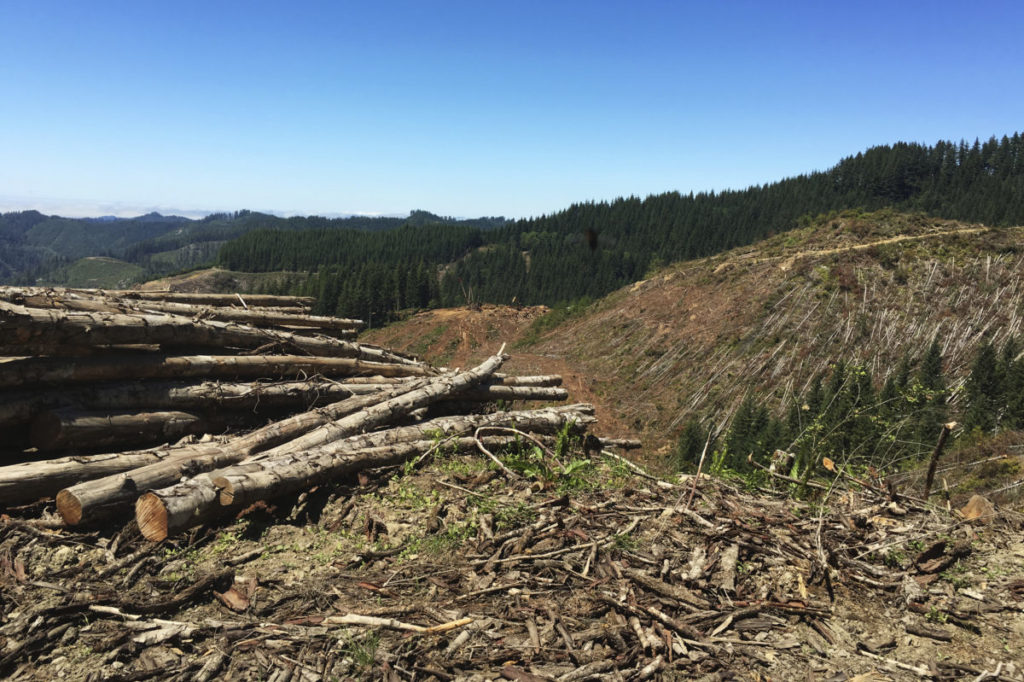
pixel 101 272
pixel 765 320
pixel 36 248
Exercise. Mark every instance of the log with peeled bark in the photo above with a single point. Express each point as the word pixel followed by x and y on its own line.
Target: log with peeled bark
pixel 23 329
pixel 258 317
pixel 260 300
pixel 435 390
pixel 71 429
pixel 37 371
pixel 91 500
pixel 160 513
pixel 539 380
pixel 30 481
pixel 242 486
pixel 18 294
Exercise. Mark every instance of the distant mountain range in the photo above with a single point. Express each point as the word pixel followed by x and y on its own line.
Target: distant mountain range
pixel 37 248
pixel 372 267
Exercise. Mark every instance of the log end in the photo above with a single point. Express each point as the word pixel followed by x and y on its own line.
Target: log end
pixel 69 507
pixel 227 490
pixel 151 515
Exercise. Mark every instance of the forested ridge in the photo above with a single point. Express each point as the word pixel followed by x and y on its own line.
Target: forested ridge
pixel 590 249
pixel 37 248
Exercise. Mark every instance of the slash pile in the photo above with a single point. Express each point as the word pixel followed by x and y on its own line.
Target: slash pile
pixel 96 375
pixel 455 572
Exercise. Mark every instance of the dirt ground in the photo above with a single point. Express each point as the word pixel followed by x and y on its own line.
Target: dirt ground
pixel 576 570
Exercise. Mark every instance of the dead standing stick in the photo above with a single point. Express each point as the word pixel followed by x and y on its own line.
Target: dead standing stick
pixel 700 465
pixel 946 428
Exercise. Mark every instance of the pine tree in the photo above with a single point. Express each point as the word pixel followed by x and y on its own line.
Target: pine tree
pixel 931 395
pixel 982 391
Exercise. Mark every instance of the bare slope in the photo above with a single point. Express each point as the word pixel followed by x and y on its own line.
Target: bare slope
pixel 217 281
pixel 694 338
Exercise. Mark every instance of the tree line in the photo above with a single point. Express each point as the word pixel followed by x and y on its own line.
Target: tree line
pixel 593 248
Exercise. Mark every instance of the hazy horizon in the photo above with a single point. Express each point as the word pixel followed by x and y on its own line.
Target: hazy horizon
pixel 469 109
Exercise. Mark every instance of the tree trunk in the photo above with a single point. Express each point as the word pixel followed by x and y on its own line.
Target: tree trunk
pixel 540 380
pixel 437 431
pixel 209 395
pixel 60 371
pixel 30 481
pixel 161 513
pixel 19 294
pixel 71 429
pixel 92 500
pixel 261 300
pixel 258 317
pixel 396 407
pixel 242 485
pixel 25 329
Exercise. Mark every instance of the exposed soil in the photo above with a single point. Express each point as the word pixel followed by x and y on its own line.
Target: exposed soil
pixel 464 336
pixel 594 574
pixel 215 281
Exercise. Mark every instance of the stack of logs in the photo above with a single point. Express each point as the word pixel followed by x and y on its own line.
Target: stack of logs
pixel 234 399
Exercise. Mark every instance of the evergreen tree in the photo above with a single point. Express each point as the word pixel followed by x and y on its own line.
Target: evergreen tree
pixel 982 391
pixel 930 392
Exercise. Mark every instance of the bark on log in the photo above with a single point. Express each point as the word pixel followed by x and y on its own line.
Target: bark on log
pixel 70 429
pixel 18 294
pixel 22 406
pixel 261 300
pixel 160 513
pixel 59 371
pixel 489 392
pixel 30 481
pixel 258 317
pixel 394 408
pixel 261 479
pixel 94 499
pixel 23 329
pixel 539 380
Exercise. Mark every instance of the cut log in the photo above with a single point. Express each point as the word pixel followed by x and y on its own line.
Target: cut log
pixel 94 499
pixel 30 481
pixel 394 408
pixel 259 317
pixel 261 300
pixel 22 406
pixel 59 371
pixel 19 294
pixel 71 429
pixel 24 329
pixel 539 380
pixel 266 478
pixel 500 392
pixel 160 513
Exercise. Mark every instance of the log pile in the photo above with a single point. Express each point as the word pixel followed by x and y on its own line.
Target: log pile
pixel 191 407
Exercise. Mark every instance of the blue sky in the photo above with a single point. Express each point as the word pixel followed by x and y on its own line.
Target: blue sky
pixel 475 108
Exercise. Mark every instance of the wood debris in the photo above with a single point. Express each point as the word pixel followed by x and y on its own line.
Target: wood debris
pixel 274 561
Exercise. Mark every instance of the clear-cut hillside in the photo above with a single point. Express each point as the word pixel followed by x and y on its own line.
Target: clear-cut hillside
pixel 866 288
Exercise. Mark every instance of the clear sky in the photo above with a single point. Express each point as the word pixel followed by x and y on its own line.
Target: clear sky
pixel 475 108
